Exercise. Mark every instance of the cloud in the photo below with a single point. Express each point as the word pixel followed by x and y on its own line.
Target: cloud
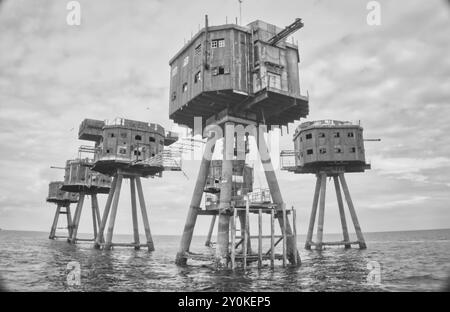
pixel 416 169
pixel 399 203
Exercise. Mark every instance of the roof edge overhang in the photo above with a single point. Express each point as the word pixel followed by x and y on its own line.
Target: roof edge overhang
pixel 210 29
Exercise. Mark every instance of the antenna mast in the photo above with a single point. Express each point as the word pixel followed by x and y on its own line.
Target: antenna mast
pixel 240 12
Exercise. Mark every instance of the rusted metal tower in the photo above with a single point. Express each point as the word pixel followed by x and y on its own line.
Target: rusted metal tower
pixel 241 80
pixel 126 149
pixel 62 200
pixel 79 178
pixel 328 148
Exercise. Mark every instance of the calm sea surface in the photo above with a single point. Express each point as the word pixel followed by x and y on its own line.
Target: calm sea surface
pixel 409 261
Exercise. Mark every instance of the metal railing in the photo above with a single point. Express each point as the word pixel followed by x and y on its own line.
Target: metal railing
pixel 287 159
pixel 328 122
pixel 260 196
pixel 118 121
pixel 169 160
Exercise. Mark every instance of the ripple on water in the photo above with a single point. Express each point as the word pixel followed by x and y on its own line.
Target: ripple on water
pixel 409 261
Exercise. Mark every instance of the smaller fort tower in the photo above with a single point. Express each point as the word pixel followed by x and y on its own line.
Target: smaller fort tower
pixel 62 200
pixel 329 148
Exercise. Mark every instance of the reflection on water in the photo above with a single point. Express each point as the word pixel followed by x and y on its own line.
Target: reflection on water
pixel 409 261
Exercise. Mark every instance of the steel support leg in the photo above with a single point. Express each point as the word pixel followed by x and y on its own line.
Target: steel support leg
pixel 194 206
pixel 312 219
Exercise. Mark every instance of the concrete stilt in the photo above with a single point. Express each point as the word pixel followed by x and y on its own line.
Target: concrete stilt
pixel 294 225
pixel 55 222
pixel 134 213
pixel 100 236
pixel 359 235
pixel 283 232
pixel 225 196
pixel 223 230
pixel 312 219
pixel 94 214
pixel 246 232
pixel 112 218
pixel 148 234
pixel 76 222
pixel 195 205
pixel 341 212
pixel 242 217
pixel 233 240
pixel 69 219
pixel 97 209
pixel 210 231
pixel 292 253
pixel 323 188
pixel 260 238
pixel 272 241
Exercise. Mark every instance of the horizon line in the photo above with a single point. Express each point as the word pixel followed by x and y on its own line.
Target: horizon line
pixel 335 233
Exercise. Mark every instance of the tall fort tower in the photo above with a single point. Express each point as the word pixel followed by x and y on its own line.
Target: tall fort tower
pixel 230 82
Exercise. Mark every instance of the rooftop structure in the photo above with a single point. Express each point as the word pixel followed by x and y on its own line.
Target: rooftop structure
pixel 127 144
pixel 56 195
pixel 79 178
pixel 327 145
pixel 251 72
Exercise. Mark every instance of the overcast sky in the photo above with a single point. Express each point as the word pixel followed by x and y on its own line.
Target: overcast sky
pixel 393 77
